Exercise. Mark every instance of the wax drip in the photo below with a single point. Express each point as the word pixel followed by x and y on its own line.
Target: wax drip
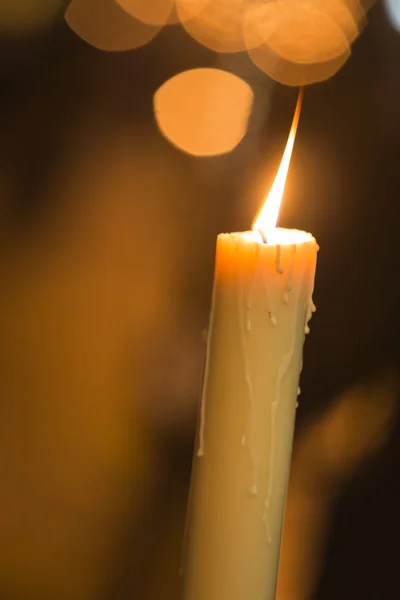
pixel 248 315
pixel 310 309
pixel 293 251
pixel 272 318
pixel 283 369
pixel 200 451
pixel 266 522
pixel 243 305
pixel 263 236
pixel 279 268
pixel 289 284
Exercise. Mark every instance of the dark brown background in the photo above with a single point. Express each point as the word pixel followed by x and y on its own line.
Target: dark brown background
pixel 107 236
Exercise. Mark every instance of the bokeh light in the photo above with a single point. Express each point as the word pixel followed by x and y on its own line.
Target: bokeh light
pixel 204 112
pixel 292 48
pixel 105 25
pixel 218 24
pixel 188 9
pixel 26 15
pixel 295 42
pixel 162 12
pixel 152 12
pixel 393 12
pixel 302 32
pixel 298 32
pixel 294 74
pixel 348 14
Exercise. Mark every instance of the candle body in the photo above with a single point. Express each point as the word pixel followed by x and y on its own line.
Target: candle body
pixel 262 302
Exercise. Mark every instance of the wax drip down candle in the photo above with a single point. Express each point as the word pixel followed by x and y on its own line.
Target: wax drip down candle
pixel 261 306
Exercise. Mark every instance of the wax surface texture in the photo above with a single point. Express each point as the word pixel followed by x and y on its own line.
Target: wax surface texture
pixel 262 302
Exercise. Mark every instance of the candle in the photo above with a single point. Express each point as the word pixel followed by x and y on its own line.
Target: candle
pixel 262 302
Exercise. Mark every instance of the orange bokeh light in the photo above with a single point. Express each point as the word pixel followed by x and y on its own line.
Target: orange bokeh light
pixel 292 73
pixel 298 42
pixel 204 112
pixel 105 25
pixel 216 24
pixel 152 12
pixel 296 31
pixel 295 42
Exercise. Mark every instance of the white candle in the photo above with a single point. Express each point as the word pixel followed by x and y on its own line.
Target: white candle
pixel 262 302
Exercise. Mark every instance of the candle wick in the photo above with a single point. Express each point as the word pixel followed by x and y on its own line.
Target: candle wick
pixel 263 236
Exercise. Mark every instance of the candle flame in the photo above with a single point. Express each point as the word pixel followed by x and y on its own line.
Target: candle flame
pixel 268 216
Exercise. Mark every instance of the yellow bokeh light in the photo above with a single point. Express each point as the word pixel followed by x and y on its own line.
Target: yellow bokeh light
pixel 204 112
pixel 105 25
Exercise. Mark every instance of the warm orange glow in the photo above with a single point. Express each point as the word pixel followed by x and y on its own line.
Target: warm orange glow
pixel 302 32
pixel 268 216
pixel 204 112
pixel 153 12
pixel 218 25
pixel 107 26
pixel 295 42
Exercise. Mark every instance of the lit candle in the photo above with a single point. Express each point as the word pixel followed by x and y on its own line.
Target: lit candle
pixel 262 302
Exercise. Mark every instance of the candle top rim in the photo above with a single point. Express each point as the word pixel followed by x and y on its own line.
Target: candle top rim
pixel 280 236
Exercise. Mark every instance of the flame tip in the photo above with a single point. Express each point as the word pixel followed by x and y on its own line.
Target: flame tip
pixel 268 216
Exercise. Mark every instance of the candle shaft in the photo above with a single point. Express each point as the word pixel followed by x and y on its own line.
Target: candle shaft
pixel 262 302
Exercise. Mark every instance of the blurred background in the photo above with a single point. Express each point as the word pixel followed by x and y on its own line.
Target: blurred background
pixel 107 237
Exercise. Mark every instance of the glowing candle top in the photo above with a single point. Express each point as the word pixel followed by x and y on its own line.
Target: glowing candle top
pixel 266 221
